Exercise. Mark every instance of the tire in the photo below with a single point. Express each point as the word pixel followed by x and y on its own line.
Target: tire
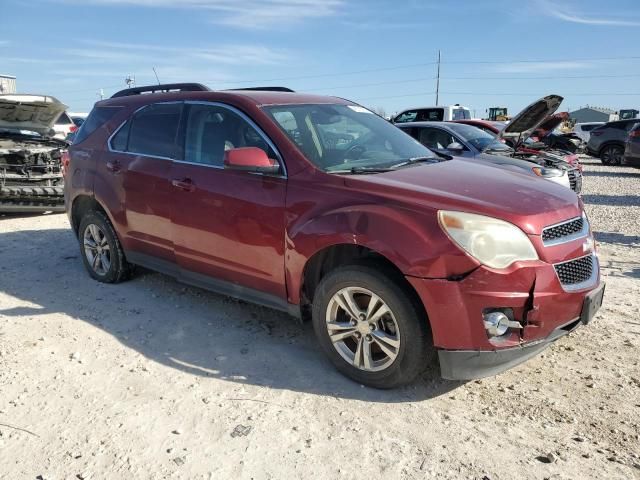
pixel 405 327
pixel 117 269
pixel 612 155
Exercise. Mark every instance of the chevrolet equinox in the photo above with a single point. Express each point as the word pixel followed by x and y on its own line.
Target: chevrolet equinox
pixel 318 207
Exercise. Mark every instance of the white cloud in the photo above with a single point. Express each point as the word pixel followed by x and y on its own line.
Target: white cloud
pixel 574 15
pixel 225 54
pixel 243 14
pixel 538 67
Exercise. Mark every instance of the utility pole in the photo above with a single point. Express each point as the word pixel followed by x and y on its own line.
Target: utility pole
pixel 438 80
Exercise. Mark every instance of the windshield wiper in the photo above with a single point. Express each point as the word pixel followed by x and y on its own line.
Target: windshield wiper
pixel 413 160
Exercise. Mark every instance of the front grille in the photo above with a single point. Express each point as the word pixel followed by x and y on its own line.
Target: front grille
pixel 576 271
pixel 558 232
pixel 575 180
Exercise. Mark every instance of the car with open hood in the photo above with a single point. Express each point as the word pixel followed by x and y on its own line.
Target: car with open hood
pixel 505 148
pixel 318 207
pixel 31 160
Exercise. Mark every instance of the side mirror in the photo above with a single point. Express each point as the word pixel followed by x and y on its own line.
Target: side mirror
pixel 250 159
pixel 455 147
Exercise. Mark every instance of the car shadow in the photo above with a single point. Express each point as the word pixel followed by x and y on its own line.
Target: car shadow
pixel 624 172
pixel 182 327
pixel 613 200
pixel 616 238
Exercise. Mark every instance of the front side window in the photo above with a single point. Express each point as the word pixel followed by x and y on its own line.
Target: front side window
pixel 153 130
pixel 405 117
pixel 435 138
pixel 211 130
pixel 479 139
pixel 341 137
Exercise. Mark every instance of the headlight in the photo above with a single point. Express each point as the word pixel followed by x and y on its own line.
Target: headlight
pixel 547 172
pixel 494 243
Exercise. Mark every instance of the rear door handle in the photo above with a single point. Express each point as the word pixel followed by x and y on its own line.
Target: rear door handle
pixel 114 166
pixel 185 184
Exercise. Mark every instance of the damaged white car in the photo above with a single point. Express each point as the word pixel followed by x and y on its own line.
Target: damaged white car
pixel 31 160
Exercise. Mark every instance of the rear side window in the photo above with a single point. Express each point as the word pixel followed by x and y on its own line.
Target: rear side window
pixel 63 119
pixel 153 130
pixel 588 128
pixel 461 114
pixel 98 117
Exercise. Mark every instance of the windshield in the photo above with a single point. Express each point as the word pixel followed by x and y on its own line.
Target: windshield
pixel 343 137
pixel 460 113
pixel 478 138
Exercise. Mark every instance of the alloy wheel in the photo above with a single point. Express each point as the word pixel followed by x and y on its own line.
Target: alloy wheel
pixel 96 249
pixel 612 156
pixel 363 329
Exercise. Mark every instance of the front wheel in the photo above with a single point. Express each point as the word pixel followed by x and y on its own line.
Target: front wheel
pixel 373 331
pixel 612 155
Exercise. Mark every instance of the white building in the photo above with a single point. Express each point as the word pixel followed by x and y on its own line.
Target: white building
pixel 7 84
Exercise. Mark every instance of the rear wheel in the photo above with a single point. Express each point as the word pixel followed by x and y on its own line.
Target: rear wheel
pixel 612 155
pixel 372 330
pixel 101 251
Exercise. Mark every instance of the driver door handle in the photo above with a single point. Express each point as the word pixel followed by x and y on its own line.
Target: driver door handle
pixel 185 184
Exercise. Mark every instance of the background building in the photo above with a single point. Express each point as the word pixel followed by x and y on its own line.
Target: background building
pixel 593 114
pixel 7 84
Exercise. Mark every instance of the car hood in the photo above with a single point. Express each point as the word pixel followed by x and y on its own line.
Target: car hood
pixel 34 113
pixel 526 121
pixel 525 200
pixel 550 123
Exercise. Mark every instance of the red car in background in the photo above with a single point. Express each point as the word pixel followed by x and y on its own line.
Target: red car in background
pixel 529 145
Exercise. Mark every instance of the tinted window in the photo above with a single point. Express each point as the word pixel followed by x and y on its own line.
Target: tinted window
pixel 435 138
pixel 588 128
pixel 212 130
pixel 153 130
pixel 478 138
pixel 405 117
pixel 338 138
pixel 98 117
pixel 120 139
pixel 461 114
pixel 430 115
pixel 63 119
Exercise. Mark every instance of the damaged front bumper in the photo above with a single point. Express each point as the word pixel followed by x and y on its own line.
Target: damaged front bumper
pixel 533 296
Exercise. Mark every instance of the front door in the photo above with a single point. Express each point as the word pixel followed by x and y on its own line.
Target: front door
pixel 228 226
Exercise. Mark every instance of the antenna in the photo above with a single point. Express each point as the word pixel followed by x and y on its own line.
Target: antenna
pixel 438 80
pixel 130 81
pixel 156 74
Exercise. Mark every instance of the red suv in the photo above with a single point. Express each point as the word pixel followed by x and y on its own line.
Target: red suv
pixel 316 206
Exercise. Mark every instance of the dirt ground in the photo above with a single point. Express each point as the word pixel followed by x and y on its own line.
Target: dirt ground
pixel 150 379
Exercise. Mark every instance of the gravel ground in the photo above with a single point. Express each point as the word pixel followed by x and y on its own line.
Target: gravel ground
pixel 151 379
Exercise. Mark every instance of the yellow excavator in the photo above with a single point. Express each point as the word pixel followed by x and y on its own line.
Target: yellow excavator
pixel 498 114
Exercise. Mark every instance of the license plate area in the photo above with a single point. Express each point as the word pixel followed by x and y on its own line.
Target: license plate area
pixel 592 303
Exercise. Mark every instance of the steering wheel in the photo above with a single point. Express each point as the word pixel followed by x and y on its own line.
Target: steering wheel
pixel 355 152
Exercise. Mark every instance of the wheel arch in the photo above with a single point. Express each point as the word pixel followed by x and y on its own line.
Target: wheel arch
pixel 82 204
pixel 610 143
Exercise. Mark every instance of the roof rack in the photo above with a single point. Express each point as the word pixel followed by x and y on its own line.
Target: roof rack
pixel 166 87
pixel 264 89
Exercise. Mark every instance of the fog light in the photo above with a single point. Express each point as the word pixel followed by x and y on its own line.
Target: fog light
pixel 497 323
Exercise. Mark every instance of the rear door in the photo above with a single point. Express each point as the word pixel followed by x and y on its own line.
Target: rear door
pixel 228 226
pixel 137 169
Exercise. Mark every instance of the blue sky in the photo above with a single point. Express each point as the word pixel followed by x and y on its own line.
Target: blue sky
pixel 379 53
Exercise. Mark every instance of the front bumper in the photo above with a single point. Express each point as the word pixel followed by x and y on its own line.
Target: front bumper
pixel 532 293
